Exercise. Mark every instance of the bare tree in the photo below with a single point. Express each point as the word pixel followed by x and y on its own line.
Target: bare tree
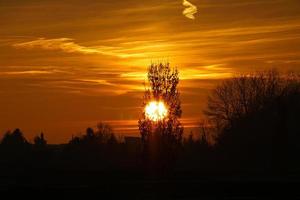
pixel 163 83
pixel 256 117
pixel 104 133
pixel 241 96
pixel 162 86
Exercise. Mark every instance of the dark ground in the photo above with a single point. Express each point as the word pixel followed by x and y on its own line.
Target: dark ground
pixel 120 185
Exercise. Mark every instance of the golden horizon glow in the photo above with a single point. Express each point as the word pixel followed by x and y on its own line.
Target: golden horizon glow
pixel 156 111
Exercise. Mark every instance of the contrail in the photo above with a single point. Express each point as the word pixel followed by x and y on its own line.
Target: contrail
pixel 190 10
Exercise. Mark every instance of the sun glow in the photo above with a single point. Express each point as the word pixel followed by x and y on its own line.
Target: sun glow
pixel 156 110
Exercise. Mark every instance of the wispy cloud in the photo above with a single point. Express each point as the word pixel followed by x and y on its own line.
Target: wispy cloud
pixel 216 71
pixel 68 45
pixel 27 72
pixel 190 10
pixel 203 72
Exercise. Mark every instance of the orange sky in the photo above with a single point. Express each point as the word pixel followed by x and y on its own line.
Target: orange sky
pixel 65 65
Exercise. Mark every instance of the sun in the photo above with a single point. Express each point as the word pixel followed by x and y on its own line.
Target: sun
pixel 156 110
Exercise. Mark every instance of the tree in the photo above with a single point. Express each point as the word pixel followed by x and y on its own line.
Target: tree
pixel 14 139
pixel 105 133
pixel 163 136
pixel 89 138
pixel 255 117
pixel 15 146
pixel 40 151
pixel 39 141
pixel 241 96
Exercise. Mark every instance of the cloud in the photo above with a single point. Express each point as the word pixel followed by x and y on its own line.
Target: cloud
pixel 69 46
pixel 206 72
pixel 28 72
pixel 190 10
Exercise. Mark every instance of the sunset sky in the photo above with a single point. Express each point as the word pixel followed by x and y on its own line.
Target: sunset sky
pixel 68 64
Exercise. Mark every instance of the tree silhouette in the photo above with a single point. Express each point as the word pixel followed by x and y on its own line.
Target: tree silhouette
pixel 241 96
pixel 40 149
pixel 162 137
pixel 102 136
pixel 105 133
pixel 256 119
pixel 39 141
pixel 14 139
pixel 15 147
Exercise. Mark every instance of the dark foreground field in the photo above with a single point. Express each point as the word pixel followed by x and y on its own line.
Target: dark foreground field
pixel 138 185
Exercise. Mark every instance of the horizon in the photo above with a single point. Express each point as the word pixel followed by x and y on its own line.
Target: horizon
pixel 67 65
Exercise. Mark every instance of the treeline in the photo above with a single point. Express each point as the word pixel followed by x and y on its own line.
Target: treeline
pixel 96 148
pixel 251 127
pixel 256 120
